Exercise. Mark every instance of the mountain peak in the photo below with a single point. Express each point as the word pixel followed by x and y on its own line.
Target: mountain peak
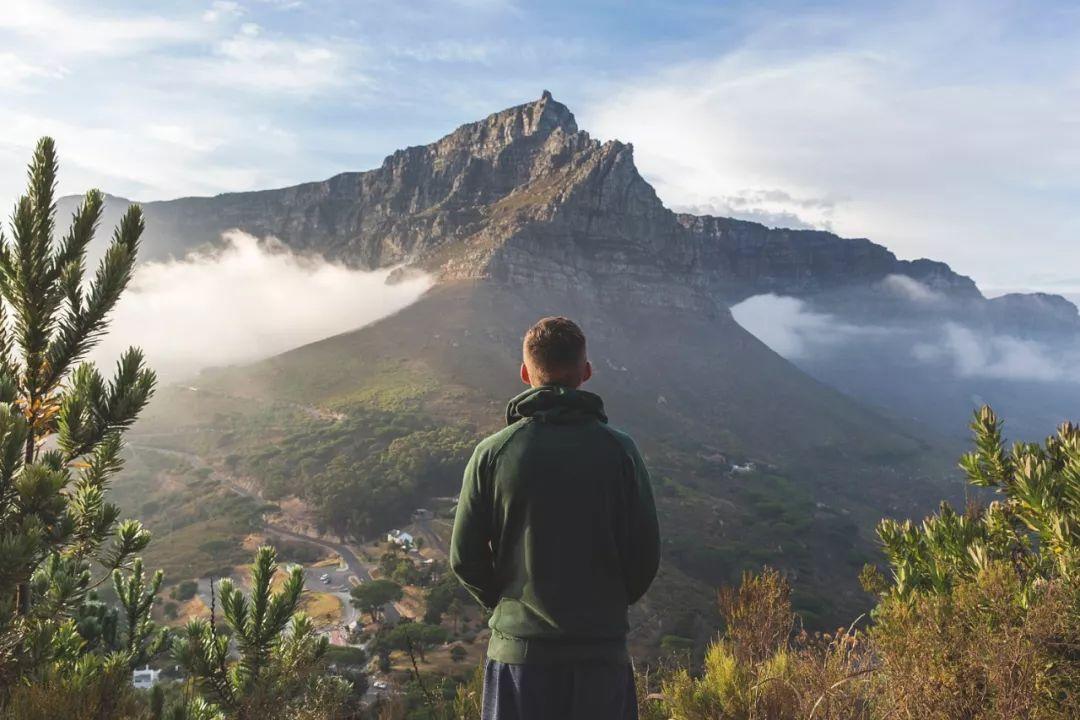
pixel 550 114
pixel 539 117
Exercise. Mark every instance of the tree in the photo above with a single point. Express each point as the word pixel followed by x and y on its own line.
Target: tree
pixel 371 596
pixel 61 431
pixel 413 639
pixel 143 639
pixel 981 618
pixel 458 653
pixel 456 611
pixel 280 654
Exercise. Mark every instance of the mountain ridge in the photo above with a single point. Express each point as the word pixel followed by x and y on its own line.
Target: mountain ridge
pixel 524 195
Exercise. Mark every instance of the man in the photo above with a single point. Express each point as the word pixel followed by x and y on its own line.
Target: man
pixel 556 533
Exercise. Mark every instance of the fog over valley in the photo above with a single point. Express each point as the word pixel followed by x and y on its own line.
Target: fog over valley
pixel 245 300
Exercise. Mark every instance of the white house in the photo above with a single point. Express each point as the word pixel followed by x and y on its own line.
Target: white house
pixel 400 537
pixel 144 679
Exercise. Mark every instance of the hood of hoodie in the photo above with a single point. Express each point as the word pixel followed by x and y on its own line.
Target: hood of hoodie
pixel 557 404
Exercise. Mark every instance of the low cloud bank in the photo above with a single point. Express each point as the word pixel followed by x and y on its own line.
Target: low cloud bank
pixel 794 330
pixel 974 354
pixel 791 328
pixel 245 301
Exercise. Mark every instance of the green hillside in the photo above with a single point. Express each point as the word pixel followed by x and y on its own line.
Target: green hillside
pixel 367 425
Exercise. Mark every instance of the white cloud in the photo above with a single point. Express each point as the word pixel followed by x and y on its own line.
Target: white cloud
pixel 63 31
pixel 145 155
pixel 451 51
pixel 943 130
pixel 15 72
pixel 244 302
pixel 773 208
pixel 979 354
pixel 797 332
pixel 790 328
pixel 222 9
pixel 913 290
pixel 252 60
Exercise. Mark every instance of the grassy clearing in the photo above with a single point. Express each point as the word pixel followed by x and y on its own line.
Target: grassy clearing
pixel 325 609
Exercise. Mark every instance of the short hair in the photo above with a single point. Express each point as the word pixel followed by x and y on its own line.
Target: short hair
pixel 556 347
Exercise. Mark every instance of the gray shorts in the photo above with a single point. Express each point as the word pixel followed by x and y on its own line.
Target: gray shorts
pixel 579 691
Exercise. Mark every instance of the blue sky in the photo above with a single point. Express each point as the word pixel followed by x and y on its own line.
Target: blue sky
pixel 942 129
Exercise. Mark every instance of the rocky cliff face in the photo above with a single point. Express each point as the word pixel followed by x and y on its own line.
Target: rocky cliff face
pixel 524 196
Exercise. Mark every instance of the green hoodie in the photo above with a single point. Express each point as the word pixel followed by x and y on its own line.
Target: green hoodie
pixel 556 530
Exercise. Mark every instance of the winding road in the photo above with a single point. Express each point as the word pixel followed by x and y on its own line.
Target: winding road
pixel 356 568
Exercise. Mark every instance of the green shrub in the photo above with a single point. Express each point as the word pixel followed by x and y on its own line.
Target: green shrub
pixel 184 591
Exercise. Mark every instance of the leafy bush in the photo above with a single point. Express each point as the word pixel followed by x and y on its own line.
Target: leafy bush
pixel 758 669
pixel 184 591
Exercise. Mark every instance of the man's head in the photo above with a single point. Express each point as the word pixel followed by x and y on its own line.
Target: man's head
pixel 553 353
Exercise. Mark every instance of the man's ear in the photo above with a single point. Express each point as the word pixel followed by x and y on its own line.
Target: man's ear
pixel 525 375
pixel 588 371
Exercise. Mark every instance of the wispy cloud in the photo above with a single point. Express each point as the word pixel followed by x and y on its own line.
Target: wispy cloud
pixel 15 73
pixel 971 353
pixel 912 290
pixel 222 9
pixel 251 59
pixel 68 31
pixel 774 208
pixel 948 130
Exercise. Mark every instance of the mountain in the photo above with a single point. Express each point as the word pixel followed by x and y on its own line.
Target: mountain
pixel 525 195
pixel 521 215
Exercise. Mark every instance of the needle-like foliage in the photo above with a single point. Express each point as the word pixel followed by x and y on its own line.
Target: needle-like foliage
pixel 61 426
pixel 278 652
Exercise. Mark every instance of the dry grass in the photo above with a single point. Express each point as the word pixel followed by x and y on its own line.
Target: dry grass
pixel 984 652
pixel 324 608
pixel 193 608
pixel 980 654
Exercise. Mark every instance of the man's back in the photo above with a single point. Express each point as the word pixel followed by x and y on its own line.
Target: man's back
pixel 556 533
pixel 556 530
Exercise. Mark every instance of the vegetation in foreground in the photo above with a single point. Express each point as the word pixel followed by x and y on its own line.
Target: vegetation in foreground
pixel 980 618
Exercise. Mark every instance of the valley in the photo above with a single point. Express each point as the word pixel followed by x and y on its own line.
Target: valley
pixel 756 460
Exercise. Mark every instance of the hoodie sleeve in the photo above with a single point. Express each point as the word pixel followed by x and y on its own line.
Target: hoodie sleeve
pixel 471 558
pixel 643 557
